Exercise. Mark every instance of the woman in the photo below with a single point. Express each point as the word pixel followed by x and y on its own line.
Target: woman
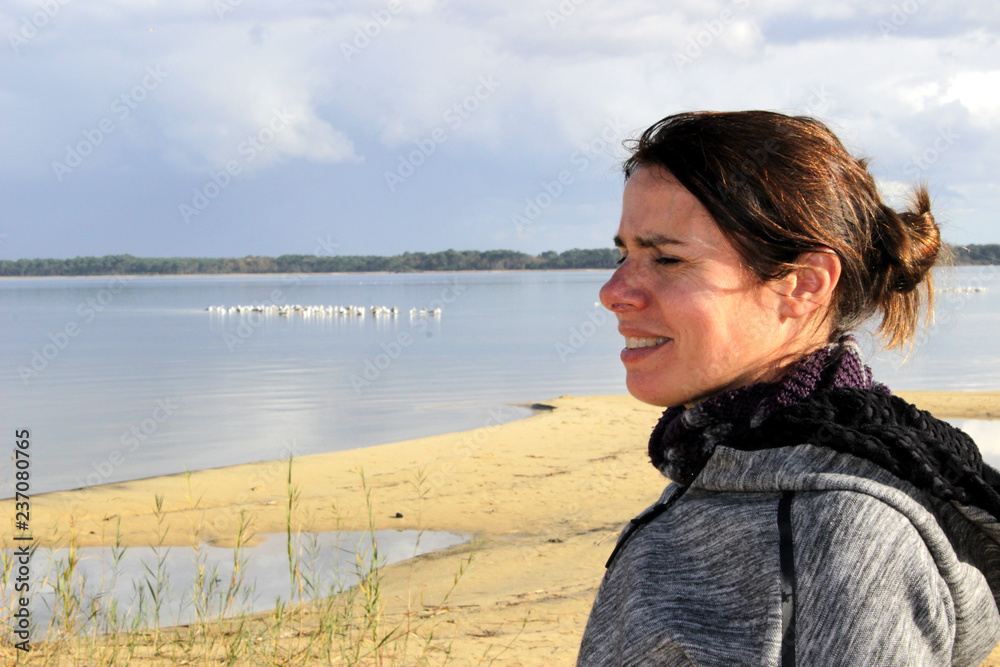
pixel 813 518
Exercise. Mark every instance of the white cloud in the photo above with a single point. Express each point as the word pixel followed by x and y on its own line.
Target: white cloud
pixel 895 193
pixel 223 82
pixel 979 92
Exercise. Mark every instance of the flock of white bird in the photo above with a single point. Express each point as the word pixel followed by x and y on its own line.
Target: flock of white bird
pixel 324 311
pixel 966 290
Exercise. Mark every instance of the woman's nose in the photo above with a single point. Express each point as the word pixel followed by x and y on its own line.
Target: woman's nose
pixel 620 293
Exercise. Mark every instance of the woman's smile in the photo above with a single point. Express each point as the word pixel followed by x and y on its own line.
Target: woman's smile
pixel 638 350
pixel 633 343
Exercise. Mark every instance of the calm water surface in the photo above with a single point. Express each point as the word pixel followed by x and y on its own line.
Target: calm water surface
pixel 122 379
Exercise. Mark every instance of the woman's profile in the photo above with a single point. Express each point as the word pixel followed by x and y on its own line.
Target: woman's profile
pixel 812 517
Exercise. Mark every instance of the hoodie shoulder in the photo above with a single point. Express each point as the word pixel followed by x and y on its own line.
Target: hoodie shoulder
pixel 878 582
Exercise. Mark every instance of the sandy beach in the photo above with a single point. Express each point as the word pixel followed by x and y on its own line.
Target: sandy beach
pixel 543 499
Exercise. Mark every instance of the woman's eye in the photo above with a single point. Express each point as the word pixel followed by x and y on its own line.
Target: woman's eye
pixel 667 260
pixel 620 260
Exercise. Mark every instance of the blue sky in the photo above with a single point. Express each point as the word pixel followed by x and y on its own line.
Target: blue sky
pixel 236 127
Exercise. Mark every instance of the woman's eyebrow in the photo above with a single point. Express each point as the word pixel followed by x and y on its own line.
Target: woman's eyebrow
pixel 651 241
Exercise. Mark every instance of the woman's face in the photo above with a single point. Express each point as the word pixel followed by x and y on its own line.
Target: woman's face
pixel 695 322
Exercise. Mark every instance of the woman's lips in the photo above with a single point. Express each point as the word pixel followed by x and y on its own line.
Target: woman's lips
pixel 638 349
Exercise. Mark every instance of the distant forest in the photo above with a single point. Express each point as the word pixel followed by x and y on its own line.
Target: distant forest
pixel 976 254
pixel 447 260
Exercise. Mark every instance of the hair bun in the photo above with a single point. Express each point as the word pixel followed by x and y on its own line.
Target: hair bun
pixel 911 243
pixel 907 245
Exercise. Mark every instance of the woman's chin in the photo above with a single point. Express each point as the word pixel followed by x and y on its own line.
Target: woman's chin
pixel 654 392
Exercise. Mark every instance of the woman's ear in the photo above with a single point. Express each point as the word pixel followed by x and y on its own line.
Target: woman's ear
pixel 811 283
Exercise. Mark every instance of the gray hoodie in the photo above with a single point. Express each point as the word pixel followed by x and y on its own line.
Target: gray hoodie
pixel 799 555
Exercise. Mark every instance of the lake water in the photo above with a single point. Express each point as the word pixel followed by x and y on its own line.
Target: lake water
pixel 125 378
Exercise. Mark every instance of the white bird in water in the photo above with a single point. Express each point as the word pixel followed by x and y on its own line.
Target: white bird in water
pixel 320 311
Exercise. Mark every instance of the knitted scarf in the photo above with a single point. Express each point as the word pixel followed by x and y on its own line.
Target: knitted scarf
pixel 684 438
pixel 828 399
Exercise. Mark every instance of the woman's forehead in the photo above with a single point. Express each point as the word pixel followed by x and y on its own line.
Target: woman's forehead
pixel 658 211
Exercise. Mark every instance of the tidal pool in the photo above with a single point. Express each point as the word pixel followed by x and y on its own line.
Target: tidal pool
pixel 210 582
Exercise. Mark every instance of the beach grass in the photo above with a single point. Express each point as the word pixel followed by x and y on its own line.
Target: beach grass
pixel 316 623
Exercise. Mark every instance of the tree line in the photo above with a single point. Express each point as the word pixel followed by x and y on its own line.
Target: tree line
pixel 976 254
pixel 447 260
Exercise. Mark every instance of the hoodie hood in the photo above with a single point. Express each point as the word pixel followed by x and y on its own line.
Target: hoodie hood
pixel 908 442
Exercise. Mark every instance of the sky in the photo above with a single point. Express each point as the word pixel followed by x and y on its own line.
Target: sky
pixel 225 128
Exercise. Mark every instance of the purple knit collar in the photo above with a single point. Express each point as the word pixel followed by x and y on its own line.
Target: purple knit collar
pixel 684 439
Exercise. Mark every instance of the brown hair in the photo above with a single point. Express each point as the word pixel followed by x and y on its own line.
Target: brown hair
pixel 779 186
